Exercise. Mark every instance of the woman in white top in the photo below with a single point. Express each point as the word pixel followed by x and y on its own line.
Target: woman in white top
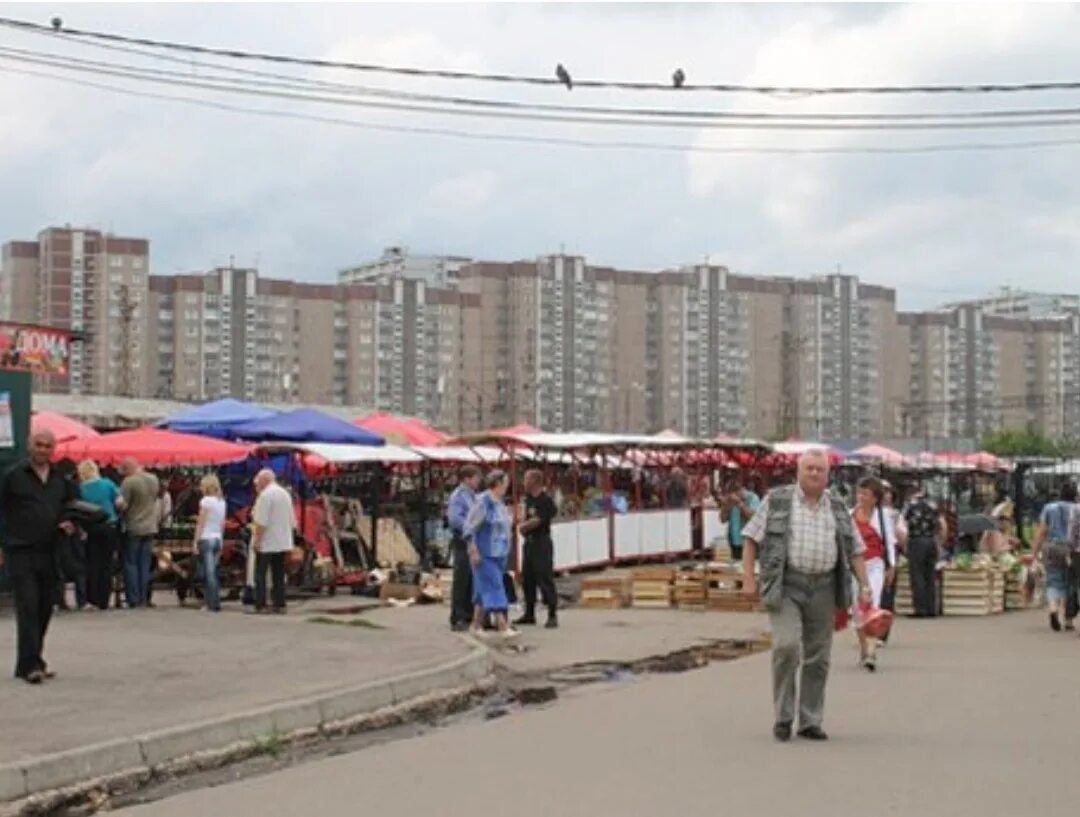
pixel 209 533
pixel 878 534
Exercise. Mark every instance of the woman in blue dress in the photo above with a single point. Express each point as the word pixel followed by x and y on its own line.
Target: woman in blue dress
pixel 488 531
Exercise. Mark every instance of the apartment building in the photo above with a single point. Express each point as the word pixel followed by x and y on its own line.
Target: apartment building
pixel 440 271
pixel 229 332
pixel 94 284
pixel 1021 303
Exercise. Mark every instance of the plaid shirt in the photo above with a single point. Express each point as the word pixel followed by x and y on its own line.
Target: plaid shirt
pixel 812 545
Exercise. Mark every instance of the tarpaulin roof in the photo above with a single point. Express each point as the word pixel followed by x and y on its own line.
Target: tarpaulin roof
pixel 62 427
pixel 305 425
pixel 345 454
pixel 882 454
pixel 401 430
pixel 152 447
pixel 216 419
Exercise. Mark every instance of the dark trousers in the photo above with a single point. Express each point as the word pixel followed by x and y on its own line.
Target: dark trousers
pixel 461 606
pixel 1072 599
pixel 275 562
pixel 539 571
pixel 922 555
pixel 33 582
pixel 100 556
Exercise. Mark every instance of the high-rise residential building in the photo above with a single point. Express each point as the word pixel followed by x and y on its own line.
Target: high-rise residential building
pixel 971 373
pixel 396 347
pixel 1021 303
pixel 93 284
pixel 395 263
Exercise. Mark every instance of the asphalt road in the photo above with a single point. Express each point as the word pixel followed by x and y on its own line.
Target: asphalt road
pixel 965 717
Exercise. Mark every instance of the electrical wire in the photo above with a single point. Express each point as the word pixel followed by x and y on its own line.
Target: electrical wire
pixel 175 79
pixel 555 141
pixel 233 53
pixel 279 80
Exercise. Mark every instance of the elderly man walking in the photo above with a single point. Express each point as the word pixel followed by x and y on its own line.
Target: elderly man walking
pixel 457 514
pixel 272 539
pixel 33 515
pixel 807 548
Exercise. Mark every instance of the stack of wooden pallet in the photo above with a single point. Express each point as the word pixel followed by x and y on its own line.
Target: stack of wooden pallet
pixel 651 586
pixel 905 605
pixel 1014 591
pixel 975 592
pixel 691 590
pixel 605 592
pixel 722 552
pixel 725 589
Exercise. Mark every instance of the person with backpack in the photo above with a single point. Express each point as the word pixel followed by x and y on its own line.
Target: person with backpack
pixel 1053 547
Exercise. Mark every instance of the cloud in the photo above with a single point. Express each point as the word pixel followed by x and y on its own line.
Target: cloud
pixel 308 198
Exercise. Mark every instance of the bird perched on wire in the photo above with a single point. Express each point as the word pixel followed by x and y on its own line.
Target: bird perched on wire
pixel 678 78
pixel 564 77
pixel 57 23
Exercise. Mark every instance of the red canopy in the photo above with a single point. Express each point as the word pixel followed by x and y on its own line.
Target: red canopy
pixel 401 430
pixel 152 447
pixel 63 428
pixel 516 431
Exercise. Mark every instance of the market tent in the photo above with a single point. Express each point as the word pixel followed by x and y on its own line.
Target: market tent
pixel 985 461
pixel 305 425
pixel 62 427
pixel 880 453
pixel 216 419
pixel 152 447
pixel 461 454
pixel 347 454
pixel 401 430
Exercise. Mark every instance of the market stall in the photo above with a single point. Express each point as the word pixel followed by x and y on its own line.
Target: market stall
pixel 216 419
pixel 63 428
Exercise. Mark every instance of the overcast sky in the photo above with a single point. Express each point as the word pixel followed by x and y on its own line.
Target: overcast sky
pixel 303 199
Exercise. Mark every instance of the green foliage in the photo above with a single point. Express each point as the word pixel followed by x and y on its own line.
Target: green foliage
pixel 1028 442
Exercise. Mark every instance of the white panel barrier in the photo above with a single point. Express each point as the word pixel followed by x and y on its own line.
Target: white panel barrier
pixel 653 532
pixel 627 535
pixel 592 541
pixel 712 528
pixel 564 536
pixel 680 536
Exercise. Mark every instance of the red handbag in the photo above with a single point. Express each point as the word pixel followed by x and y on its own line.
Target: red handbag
pixel 840 619
pixel 875 622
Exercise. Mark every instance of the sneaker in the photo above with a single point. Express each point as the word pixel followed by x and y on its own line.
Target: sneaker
pixel 870 663
pixel 552 623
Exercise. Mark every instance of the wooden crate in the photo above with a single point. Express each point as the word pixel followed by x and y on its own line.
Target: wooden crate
pixel 1014 592
pixel 972 592
pixel 605 592
pixel 691 590
pixel 651 586
pixel 904 602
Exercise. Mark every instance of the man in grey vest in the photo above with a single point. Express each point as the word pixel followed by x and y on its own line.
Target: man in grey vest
pixel 807 548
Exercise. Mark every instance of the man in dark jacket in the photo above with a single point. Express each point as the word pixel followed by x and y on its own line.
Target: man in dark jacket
pixel 33 501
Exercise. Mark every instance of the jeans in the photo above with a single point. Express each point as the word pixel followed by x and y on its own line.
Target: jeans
pixel 138 555
pixel 209 553
pixel 275 562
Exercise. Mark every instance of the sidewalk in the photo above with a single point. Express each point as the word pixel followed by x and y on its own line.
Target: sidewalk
pixel 139 687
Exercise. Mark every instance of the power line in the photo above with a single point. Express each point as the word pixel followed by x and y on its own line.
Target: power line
pixel 557 141
pixel 270 79
pixel 172 78
pixel 232 53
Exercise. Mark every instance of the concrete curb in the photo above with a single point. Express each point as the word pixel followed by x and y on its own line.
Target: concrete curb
pixel 143 754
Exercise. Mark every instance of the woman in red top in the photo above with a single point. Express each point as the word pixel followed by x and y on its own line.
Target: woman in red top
pixel 879 535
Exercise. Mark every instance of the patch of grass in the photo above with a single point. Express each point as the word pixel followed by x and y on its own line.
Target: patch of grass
pixel 273 745
pixel 350 622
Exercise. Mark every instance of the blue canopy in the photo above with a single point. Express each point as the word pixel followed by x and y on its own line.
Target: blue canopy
pixel 305 426
pixel 216 419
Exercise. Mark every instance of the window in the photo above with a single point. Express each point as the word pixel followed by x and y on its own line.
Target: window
pixel 116 261
pixel 137 262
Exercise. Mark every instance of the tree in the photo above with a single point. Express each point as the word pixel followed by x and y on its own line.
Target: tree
pixel 1028 442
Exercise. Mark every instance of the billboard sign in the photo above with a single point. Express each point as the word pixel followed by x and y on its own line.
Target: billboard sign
pixel 36 349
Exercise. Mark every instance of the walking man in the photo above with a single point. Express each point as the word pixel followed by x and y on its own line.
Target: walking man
pixel 139 491
pixel 539 552
pixel 807 547
pixel 457 513
pixel 33 501
pixel 1053 546
pixel 924 526
pixel 272 539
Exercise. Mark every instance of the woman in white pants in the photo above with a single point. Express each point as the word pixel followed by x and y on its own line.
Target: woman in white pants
pixel 878 533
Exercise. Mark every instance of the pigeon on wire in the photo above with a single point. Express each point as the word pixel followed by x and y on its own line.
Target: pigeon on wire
pixel 564 77
pixel 678 78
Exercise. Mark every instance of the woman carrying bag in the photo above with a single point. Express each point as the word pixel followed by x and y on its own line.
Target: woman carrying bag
pixel 879 535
